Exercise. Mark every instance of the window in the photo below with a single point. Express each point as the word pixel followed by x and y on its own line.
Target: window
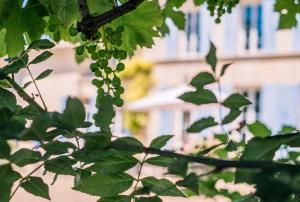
pixel 252 112
pixel 193 31
pixel 253 19
pixel 186 124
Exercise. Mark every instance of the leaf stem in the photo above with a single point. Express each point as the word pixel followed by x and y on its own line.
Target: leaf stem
pixel 139 173
pixel 37 88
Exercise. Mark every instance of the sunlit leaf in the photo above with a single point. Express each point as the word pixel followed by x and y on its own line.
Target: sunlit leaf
pixel 258 129
pixel 236 101
pixel 202 79
pixel 211 57
pixel 160 141
pixel 202 124
pixel 199 97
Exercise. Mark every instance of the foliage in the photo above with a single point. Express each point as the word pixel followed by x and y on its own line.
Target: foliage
pixel 24 21
pixel 99 165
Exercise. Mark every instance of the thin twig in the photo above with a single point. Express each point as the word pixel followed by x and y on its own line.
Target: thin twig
pixel 220 109
pixel 37 88
pixel 139 173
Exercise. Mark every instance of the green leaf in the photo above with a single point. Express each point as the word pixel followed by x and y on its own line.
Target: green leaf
pixel 66 10
pixel 61 165
pixel 137 32
pixel 231 116
pixel 231 146
pixel 199 97
pixel 222 138
pixel 7 177
pixel 41 44
pixel 81 175
pixel 103 118
pixel 7 100
pixel 178 167
pixel 105 185
pixel 97 7
pixel 171 11
pixel 15 65
pixel 5 115
pixel 27 84
pixel 287 129
pixel 161 187
pixel 24 157
pixel 202 79
pixel 263 149
pixel 20 20
pixel 258 129
pixel 160 161
pixel 36 186
pixel 207 150
pixel 114 164
pixel 4 149
pixel 211 57
pixel 160 141
pixel 236 101
pixel 42 57
pixel 93 148
pixel 2 41
pixel 224 68
pixel 202 124
pixel 148 199
pixel 57 147
pixel 288 10
pixel 74 114
pixel 44 74
pixel 128 141
pixel 191 182
pixel 198 2
pixel 119 198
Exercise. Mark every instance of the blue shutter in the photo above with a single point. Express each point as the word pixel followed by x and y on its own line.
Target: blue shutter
pixel 247 25
pixel 188 31
pixel 198 31
pixel 259 27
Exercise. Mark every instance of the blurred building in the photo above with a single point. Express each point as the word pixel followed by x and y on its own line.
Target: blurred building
pixel 266 68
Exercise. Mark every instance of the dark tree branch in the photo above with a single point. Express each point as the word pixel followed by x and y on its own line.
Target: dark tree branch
pixel 90 24
pixel 83 9
pixel 218 163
